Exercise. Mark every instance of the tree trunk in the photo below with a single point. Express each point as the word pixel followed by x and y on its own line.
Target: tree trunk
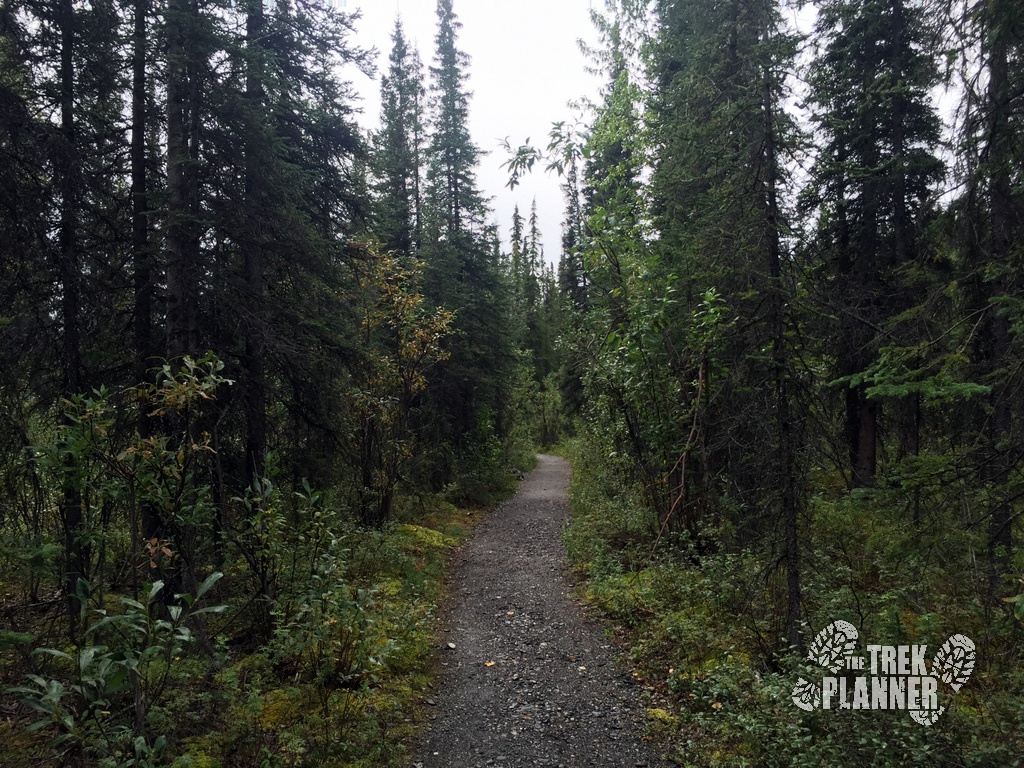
pixel 255 379
pixel 867 440
pixel 182 243
pixel 182 251
pixel 997 337
pixel 142 277
pixel 69 271
pixel 789 493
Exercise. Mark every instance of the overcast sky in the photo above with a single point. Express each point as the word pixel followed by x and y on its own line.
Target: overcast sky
pixel 525 66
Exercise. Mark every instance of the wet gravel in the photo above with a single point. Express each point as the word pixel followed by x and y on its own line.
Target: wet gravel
pixel 527 679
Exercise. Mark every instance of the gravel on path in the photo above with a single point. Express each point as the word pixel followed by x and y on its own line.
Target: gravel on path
pixel 527 679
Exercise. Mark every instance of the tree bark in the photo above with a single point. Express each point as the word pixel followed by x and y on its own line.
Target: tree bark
pixel 182 268
pixel 789 493
pixel 69 273
pixel 182 244
pixel 142 272
pixel 255 379
pixel 997 338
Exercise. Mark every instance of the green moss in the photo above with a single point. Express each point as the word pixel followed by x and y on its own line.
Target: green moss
pixel 418 538
pixel 196 758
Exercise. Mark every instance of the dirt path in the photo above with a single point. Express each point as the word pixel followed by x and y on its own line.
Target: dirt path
pixel 530 681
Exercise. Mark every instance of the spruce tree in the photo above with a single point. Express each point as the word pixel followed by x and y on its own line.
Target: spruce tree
pixel 871 184
pixel 469 402
pixel 988 226
pixel 456 202
pixel 516 261
pixel 397 150
pixel 699 302
pixel 535 307
pixel 182 267
pixel 143 282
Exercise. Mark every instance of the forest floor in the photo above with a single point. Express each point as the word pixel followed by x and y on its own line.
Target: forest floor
pixel 527 678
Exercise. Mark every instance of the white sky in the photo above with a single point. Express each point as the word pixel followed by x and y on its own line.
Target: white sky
pixel 525 66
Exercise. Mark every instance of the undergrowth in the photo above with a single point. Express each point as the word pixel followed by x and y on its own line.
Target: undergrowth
pixel 705 634
pixel 337 682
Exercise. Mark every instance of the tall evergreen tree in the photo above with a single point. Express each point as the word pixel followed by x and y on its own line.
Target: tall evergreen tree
pixel 455 199
pixel 62 84
pixel 469 400
pixel 69 274
pixel 516 260
pixel 536 307
pixel 717 127
pixel 698 303
pixel 143 272
pixel 254 247
pixel 871 184
pixel 398 149
pixel 989 227
pixel 183 265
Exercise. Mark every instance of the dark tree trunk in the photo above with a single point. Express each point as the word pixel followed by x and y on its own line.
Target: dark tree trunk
pixel 255 379
pixel 142 272
pixel 867 440
pixel 182 268
pixel 68 177
pixel 997 336
pixel 787 464
pixel 182 244
pixel 902 240
pixel 417 199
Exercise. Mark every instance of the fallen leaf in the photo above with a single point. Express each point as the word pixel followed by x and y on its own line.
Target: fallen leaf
pixel 489 663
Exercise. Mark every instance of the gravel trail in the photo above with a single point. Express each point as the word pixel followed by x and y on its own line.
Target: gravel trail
pixel 530 680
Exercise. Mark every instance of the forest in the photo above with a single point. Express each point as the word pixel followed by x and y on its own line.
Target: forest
pixel 262 371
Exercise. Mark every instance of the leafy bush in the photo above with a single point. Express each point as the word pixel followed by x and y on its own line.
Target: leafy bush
pixel 104 713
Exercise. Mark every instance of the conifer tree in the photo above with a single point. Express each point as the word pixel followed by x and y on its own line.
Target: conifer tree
pixel 254 255
pixel 516 260
pixel 456 202
pixel 989 227
pixel 183 267
pixel 534 253
pixel 141 161
pixel 707 293
pixel 398 151
pixel 871 184
pixel 469 402
pixel 535 306
pixel 69 274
